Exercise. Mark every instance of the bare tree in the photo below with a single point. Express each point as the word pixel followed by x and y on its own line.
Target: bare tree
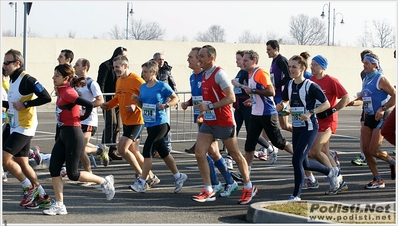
pixel 8 33
pixel 214 34
pixel 183 38
pixel 306 31
pixel 71 34
pixel 33 34
pixel 248 37
pixel 143 30
pixel 116 33
pixel 384 34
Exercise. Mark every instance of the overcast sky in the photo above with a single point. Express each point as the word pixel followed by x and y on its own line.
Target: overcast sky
pixel 186 18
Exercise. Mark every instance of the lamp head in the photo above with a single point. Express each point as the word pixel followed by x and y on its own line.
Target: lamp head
pixel 342 21
pixel 11 4
pixel 323 14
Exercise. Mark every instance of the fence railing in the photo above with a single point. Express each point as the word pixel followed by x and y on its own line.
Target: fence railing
pixel 182 128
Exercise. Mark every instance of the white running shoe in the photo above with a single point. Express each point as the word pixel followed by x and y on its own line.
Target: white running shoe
pixel 55 210
pixel 273 155
pixel 180 182
pixel 217 188
pixel 108 187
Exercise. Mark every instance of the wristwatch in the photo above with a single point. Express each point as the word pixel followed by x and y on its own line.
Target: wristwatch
pixel 167 105
pixel 311 111
pixel 25 104
pixel 384 108
pixel 254 90
pixel 333 110
pixel 211 106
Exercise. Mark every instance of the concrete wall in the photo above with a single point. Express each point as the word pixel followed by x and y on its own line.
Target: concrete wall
pixel 42 53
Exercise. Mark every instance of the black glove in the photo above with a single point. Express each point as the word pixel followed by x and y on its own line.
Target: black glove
pixel 326 113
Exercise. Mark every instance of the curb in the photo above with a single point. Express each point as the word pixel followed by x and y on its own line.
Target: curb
pixel 258 214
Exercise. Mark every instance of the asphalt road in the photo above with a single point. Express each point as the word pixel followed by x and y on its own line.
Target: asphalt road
pixel 88 205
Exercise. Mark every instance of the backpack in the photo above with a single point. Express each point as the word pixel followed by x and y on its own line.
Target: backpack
pixel 89 81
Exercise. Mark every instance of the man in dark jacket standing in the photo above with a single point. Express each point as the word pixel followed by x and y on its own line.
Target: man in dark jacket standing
pixel 164 75
pixel 107 82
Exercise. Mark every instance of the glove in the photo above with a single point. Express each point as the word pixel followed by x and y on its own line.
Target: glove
pixel 326 113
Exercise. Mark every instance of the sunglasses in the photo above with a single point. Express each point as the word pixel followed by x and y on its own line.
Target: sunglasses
pixel 9 62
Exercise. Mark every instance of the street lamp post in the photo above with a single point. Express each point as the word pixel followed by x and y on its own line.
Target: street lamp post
pixel 323 16
pixel 334 21
pixel 15 23
pixel 129 13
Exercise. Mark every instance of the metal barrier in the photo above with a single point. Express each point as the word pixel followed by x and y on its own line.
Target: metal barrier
pixel 182 128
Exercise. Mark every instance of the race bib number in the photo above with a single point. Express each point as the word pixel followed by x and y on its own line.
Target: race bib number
pixel 195 101
pixel 58 115
pixel 237 90
pixel 253 100
pixel 11 119
pixel 149 112
pixel 367 105
pixel 209 115
pixel 272 77
pixel 296 113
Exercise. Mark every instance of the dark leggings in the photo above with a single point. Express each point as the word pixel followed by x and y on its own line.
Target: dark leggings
pixel 113 126
pixel 67 148
pixel 155 141
pixel 243 114
pixel 302 142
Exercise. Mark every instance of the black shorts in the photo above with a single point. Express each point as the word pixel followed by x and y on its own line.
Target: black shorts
pixel 17 144
pixel 133 132
pixel 88 128
pixel 370 121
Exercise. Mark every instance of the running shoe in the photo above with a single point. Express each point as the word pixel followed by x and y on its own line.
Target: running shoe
pixel 40 202
pixel 228 189
pixel 359 161
pixel 237 176
pixel 273 155
pixel 217 188
pixel 55 210
pixel 229 163
pixel 375 184
pixel 30 195
pixel 4 175
pixel 343 186
pixel 191 150
pixel 261 154
pixel 393 168
pixel 36 155
pixel 247 195
pixel 138 186
pixel 180 182
pixel 204 196
pixel 63 172
pixel 152 181
pixel 108 188
pixel 104 156
pixel 333 178
pixel 336 158
pixel 294 198
pixel 308 184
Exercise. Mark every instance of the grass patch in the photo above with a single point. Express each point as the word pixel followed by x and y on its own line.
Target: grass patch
pixel 300 208
pixel 296 208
